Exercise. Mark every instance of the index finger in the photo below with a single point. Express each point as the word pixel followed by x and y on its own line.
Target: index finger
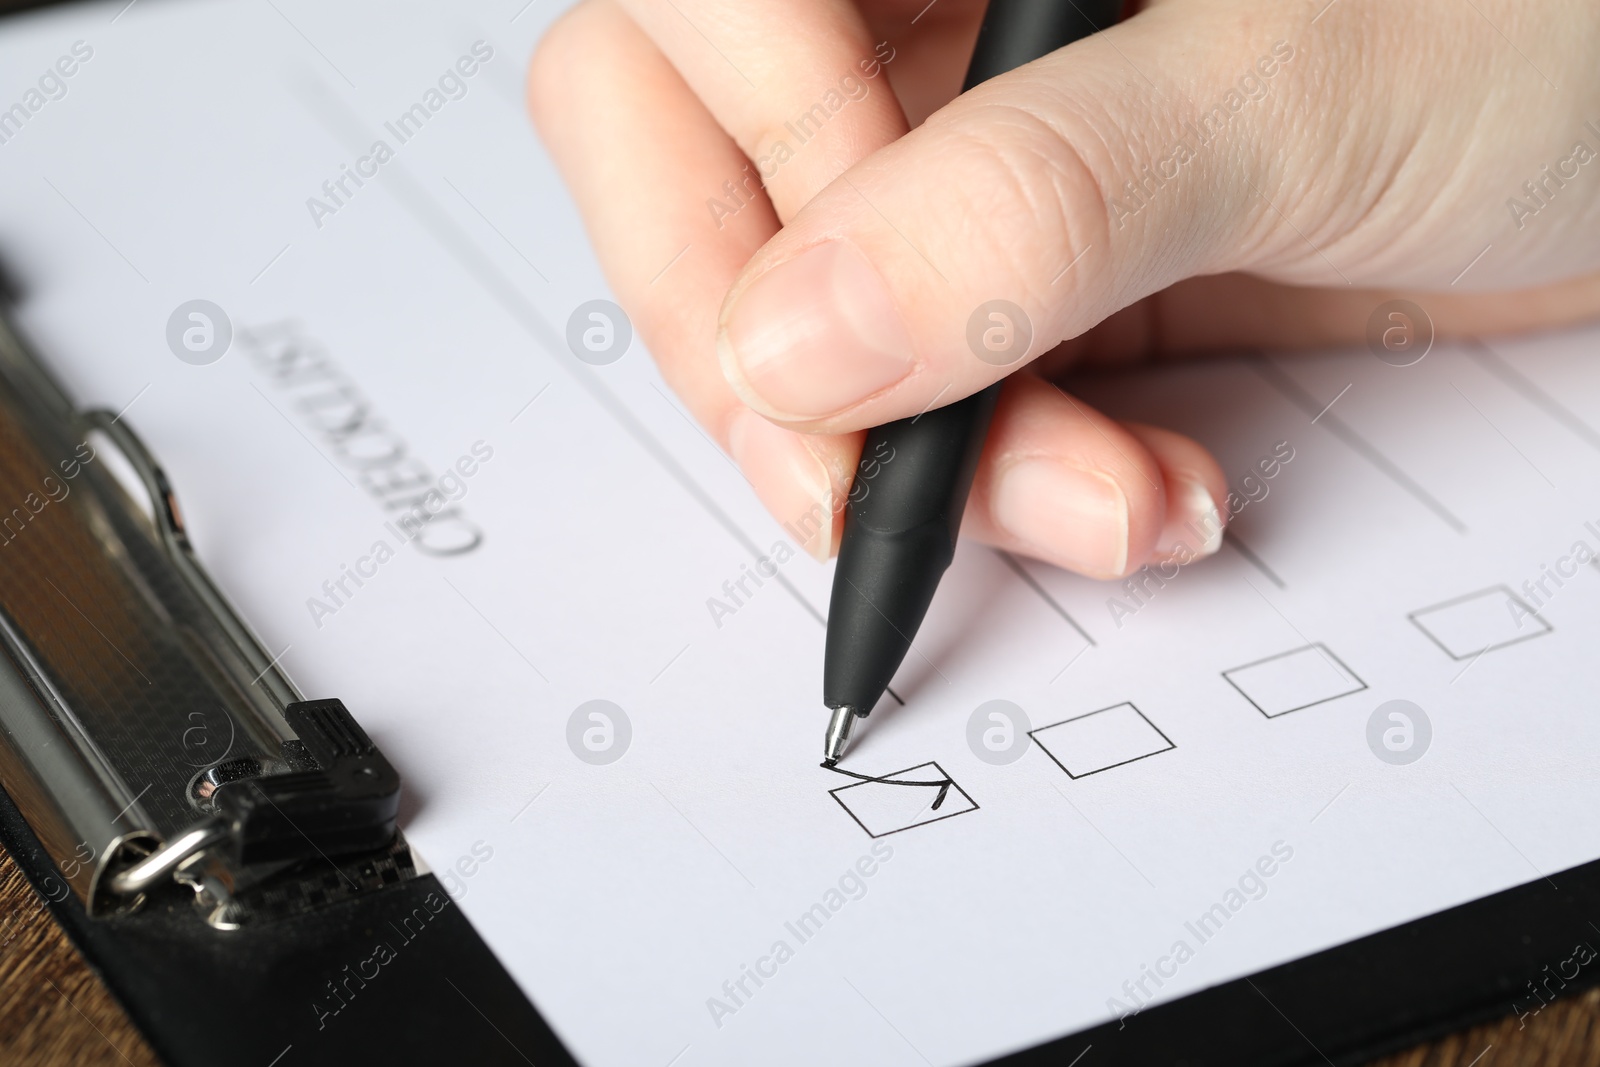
pixel 798 84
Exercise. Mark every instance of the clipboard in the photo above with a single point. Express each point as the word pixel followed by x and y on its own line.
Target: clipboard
pixel 224 852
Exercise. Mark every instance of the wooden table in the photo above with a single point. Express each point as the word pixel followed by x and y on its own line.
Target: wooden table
pixel 54 1012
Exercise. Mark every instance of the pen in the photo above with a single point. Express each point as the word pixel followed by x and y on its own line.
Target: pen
pixel 900 534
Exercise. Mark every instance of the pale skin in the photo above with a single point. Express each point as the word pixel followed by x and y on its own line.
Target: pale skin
pixel 1369 151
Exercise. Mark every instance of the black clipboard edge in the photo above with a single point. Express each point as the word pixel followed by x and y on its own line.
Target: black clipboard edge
pixel 1366 998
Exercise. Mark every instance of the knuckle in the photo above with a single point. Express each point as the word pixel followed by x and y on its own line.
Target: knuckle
pixel 1035 197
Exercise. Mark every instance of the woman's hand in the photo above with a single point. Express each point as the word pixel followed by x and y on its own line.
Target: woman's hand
pixel 809 231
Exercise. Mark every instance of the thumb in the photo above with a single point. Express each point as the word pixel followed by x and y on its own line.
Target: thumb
pixel 1018 216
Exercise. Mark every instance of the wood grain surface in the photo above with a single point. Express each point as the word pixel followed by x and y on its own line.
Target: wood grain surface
pixel 54 1011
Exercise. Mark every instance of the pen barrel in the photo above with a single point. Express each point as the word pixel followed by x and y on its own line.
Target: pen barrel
pixel 898 539
pixel 908 496
pixel 1015 32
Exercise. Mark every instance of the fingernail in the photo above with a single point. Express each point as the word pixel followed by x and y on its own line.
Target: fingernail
pixel 1074 517
pixel 816 334
pixel 1193 529
pixel 791 481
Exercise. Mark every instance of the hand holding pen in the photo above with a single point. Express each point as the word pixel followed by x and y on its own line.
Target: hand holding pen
pixel 814 233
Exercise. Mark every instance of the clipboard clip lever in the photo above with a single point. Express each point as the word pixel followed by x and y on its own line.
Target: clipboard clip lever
pixel 147 735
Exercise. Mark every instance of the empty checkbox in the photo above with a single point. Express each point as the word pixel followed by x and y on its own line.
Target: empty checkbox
pixel 1471 625
pixel 1101 740
pixel 1294 680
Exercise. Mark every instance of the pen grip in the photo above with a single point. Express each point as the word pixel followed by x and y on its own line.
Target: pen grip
pixel 899 537
pixel 901 460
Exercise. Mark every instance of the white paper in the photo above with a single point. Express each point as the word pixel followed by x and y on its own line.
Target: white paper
pixel 629 899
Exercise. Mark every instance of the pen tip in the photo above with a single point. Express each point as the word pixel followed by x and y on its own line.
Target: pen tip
pixel 838 735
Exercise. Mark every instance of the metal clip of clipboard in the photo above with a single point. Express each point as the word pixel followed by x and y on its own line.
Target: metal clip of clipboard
pixel 146 736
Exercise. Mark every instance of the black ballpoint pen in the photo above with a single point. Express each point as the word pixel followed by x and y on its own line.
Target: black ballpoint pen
pixel 900 535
